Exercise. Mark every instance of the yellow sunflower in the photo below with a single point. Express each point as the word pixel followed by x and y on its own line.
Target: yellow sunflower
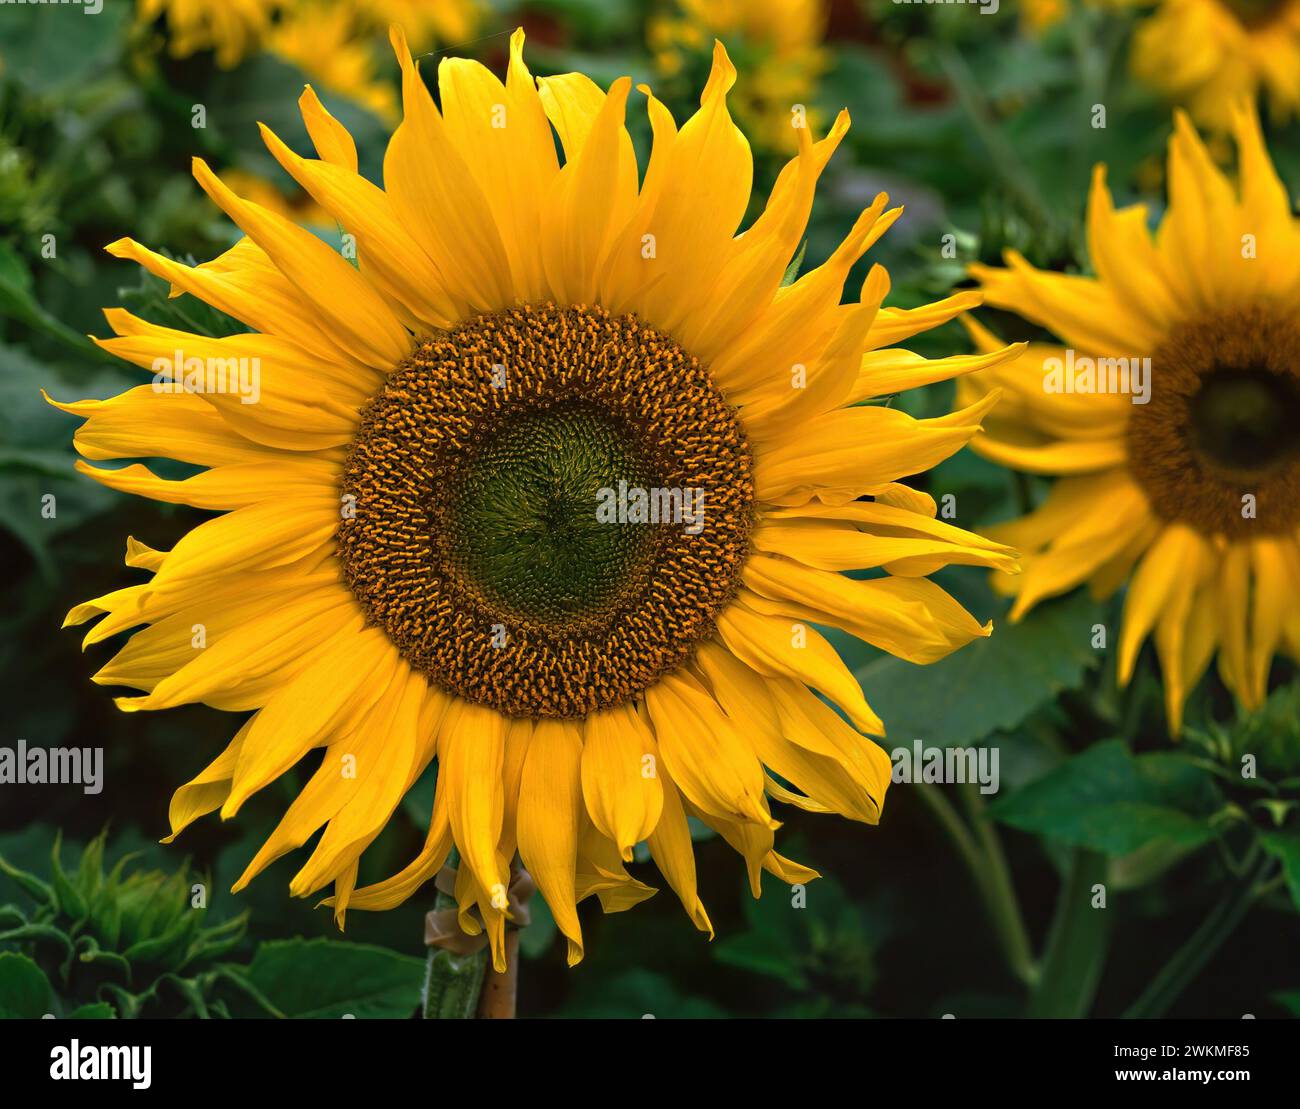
pixel 321 39
pixel 1168 414
pixel 1208 54
pixel 231 28
pixel 781 40
pixel 412 560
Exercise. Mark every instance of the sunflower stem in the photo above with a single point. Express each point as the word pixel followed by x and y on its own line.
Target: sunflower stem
pixel 1006 163
pixel 500 991
pixel 1076 945
pixel 452 983
pixel 1002 892
pixel 981 853
pixel 1188 961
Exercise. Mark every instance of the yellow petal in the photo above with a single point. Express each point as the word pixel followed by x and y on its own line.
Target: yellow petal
pixel 471 756
pixel 427 180
pixel 550 801
pixel 343 682
pixel 1157 577
pixel 623 795
pixel 207 790
pixel 357 316
pixel 856 448
pixel 781 649
pixel 387 254
pixel 912 618
pixel 714 766
pixel 670 846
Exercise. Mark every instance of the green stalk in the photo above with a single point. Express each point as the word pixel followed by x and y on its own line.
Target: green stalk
pixel 452 983
pixel 984 862
pixel 1003 157
pixel 1002 891
pixel 1076 946
pixel 1190 959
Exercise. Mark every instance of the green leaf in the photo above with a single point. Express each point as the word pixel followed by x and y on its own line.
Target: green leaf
pixel 24 990
pixel 326 978
pixel 61 46
pixel 1289 1000
pixel 98 1010
pixel 796 263
pixel 32 885
pixel 635 994
pixel 18 302
pixel 1112 801
pixel 266 88
pixel 763 953
pixel 989 685
pixel 807 941
pixel 71 903
pixel 1286 847
pixel 536 939
pixel 151 299
pixel 31 933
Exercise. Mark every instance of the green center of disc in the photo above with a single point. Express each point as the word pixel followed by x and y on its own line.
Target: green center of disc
pixel 1245 420
pixel 525 527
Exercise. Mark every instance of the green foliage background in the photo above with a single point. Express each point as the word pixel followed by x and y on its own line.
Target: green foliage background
pixel 954 905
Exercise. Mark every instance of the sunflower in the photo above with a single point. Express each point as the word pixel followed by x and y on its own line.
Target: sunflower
pixel 780 42
pixel 231 28
pixel 1190 491
pixel 1208 54
pixel 410 561
pixel 321 39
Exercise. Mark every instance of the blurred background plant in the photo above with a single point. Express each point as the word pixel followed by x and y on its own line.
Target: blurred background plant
pixel 985 128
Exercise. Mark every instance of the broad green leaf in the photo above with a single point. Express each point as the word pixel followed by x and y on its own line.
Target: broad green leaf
pixel 18 302
pixel 1113 801
pixel 326 978
pixel 989 685
pixel 98 1010
pixel 764 953
pixel 1286 847
pixel 60 46
pixel 24 990
pixel 1289 1000
pixel 535 940
pixel 634 994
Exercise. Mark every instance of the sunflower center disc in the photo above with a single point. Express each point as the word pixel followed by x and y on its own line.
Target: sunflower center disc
pixel 1246 419
pixel 545 509
pixel 1220 426
pixel 524 529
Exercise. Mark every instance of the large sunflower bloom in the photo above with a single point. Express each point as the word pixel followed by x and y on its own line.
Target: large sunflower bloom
pixel 1209 54
pixel 410 564
pixel 1194 493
